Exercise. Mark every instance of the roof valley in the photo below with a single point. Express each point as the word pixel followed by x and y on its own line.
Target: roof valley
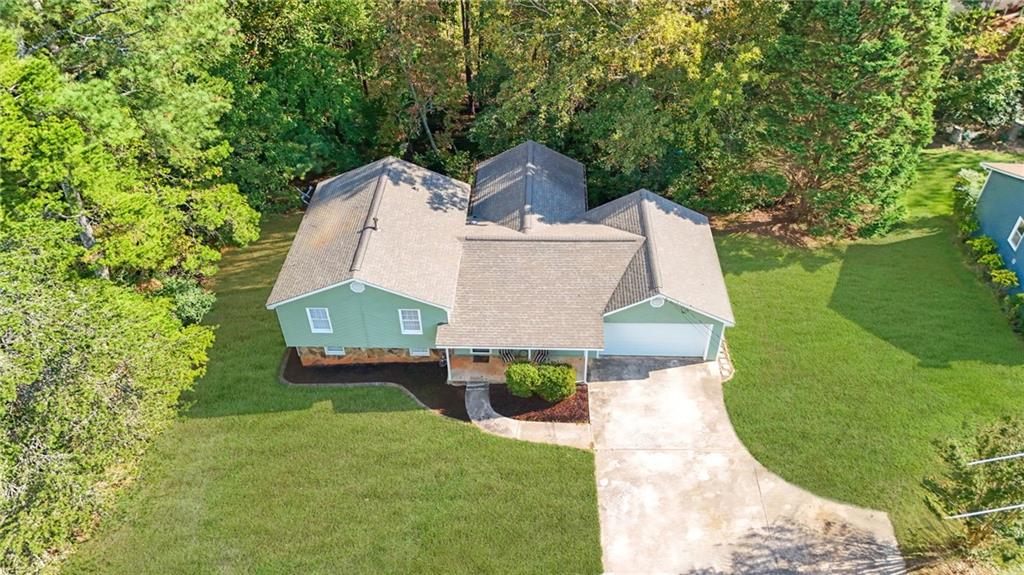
pixel 370 223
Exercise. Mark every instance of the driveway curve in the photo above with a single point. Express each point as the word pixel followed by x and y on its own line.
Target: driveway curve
pixel 679 493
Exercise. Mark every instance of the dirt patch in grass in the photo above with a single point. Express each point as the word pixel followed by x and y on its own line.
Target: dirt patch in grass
pixel 576 409
pixel 780 223
pixel 426 381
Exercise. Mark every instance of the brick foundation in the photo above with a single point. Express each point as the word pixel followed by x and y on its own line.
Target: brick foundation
pixel 314 356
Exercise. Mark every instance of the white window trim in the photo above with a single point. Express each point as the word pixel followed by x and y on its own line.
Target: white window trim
pixel 1013 231
pixel 419 351
pixel 419 321
pixel 479 351
pixel 309 317
pixel 327 350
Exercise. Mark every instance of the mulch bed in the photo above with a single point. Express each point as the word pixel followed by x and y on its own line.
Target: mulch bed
pixel 424 380
pixel 427 382
pixel 576 409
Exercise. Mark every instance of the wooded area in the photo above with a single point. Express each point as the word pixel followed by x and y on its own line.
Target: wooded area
pixel 139 137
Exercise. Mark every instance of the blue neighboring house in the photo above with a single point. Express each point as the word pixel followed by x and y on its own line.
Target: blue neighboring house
pixel 1000 212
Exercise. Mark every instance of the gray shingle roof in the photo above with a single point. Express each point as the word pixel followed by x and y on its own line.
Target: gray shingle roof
pixel 679 260
pixel 527 185
pixel 1014 170
pixel 390 224
pixel 525 292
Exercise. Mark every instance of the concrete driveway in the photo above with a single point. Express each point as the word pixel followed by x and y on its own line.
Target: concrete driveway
pixel 678 492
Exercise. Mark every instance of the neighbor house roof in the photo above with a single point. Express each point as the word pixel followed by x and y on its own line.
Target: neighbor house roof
pixel 527 185
pixel 1012 170
pixel 679 260
pixel 390 224
pixel 537 292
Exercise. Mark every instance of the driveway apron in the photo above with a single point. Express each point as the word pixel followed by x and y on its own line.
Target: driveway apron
pixel 679 493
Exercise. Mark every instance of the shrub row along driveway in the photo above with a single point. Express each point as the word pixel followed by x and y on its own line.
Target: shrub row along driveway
pixel 678 492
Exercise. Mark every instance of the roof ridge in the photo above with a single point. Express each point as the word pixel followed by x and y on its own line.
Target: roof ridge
pixel 370 223
pixel 651 248
pixel 527 221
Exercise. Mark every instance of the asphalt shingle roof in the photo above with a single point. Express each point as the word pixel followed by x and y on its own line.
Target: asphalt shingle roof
pixel 1015 170
pixel 526 293
pixel 390 224
pixel 679 259
pixel 527 185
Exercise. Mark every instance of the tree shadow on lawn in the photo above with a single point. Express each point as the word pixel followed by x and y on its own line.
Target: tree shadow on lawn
pixel 745 252
pixel 917 295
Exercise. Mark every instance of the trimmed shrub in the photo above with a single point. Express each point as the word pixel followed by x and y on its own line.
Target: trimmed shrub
pixel 1003 279
pixel 557 382
pixel 522 378
pixel 992 261
pixel 981 245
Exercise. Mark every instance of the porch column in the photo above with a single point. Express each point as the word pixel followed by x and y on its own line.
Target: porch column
pixel 586 355
pixel 448 364
pixel 529 354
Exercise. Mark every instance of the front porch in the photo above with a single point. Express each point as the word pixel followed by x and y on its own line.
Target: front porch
pixel 488 365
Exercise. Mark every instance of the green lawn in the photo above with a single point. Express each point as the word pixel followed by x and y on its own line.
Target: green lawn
pixel 260 478
pixel 852 359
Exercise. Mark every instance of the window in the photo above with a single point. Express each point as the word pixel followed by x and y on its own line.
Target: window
pixel 319 320
pixel 479 351
pixel 419 351
pixel 334 350
pixel 1017 234
pixel 410 321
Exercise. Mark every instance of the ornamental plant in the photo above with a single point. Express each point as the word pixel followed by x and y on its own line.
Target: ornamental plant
pixel 1003 279
pixel 981 245
pixel 522 378
pixel 557 382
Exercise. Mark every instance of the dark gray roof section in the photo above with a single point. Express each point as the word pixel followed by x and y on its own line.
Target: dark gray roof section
pixel 528 185
pixel 389 224
pixel 678 260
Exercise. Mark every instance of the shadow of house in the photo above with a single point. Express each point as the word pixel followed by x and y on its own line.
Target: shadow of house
pixel 790 548
pixel 912 293
pixel 742 253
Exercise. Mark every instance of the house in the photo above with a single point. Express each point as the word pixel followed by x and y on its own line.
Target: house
pixel 395 263
pixel 1000 212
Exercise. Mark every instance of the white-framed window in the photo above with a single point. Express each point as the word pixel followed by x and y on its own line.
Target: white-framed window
pixel 479 351
pixel 319 320
pixel 409 319
pixel 1016 234
pixel 334 350
pixel 419 351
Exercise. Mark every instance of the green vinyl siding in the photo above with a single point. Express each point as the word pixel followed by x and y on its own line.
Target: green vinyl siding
pixel 669 313
pixel 367 319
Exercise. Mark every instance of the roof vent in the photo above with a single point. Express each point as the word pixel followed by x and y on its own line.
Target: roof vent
pixel 657 301
pixel 357 287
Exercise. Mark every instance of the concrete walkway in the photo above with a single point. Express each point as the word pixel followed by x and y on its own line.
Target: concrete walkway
pixel 679 493
pixel 478 406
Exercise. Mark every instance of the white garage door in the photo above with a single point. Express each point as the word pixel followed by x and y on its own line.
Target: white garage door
pixel 671 339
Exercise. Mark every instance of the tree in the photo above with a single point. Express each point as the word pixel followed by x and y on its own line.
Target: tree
pixel 964 488
pixel 650 94
pixel 851 107
pixel 129 148
pixel 91 371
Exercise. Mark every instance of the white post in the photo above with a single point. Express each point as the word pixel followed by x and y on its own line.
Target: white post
pixel 586 354
pixel 529 354
pixel 448 364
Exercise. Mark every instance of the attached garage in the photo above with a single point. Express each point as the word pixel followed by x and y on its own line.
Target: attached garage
pixel 657 339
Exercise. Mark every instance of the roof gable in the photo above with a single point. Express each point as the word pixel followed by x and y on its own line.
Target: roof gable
pixel 386 223
pixel 527 185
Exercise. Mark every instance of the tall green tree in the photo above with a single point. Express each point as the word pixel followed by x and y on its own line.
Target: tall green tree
pixel 651 94
pixel 850 107
pixel 121 132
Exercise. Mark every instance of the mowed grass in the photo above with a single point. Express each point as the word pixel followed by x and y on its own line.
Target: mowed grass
pixel 851 360
pixel 261 478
